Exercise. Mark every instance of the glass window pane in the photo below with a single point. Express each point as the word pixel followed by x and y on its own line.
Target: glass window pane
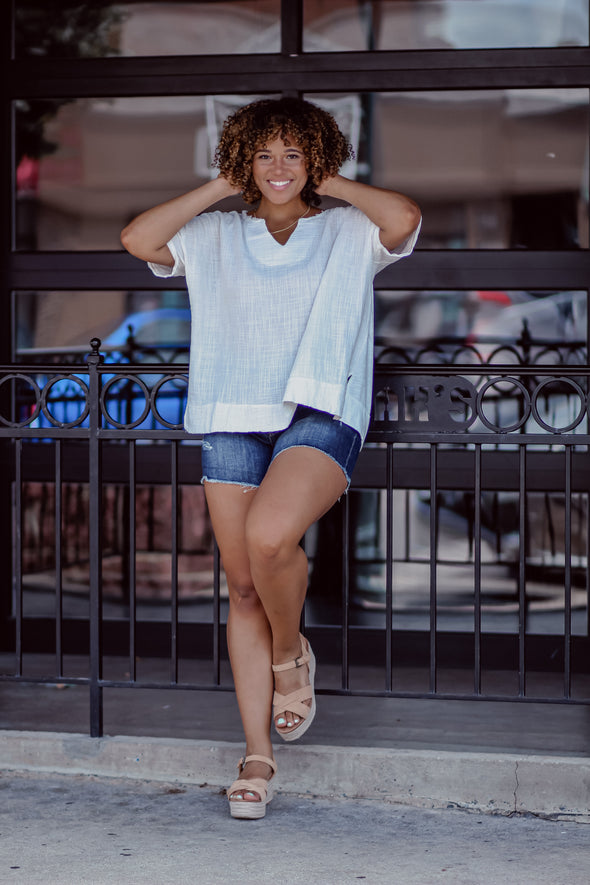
pixel 67 29
pixel 421 326
pixel 481 326
pixel 86 167
pixel 333 26
pixel 57 326
pixel 490 169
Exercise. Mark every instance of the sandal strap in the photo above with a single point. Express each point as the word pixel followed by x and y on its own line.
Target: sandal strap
pixel 254 785
pixel 294 701
pixel 304 658
pixel 254 758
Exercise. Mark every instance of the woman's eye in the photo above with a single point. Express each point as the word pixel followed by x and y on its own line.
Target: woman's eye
pixel 267 157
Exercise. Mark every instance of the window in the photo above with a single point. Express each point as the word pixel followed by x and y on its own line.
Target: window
pixel 333 26
pixel 93 30
pixel 491 169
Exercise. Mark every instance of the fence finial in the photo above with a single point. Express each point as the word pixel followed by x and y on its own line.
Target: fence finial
pixel 95 357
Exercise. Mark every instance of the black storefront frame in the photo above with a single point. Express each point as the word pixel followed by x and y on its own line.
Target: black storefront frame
pixel 293 72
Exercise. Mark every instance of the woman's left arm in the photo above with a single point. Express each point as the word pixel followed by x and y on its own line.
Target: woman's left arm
pixel 396 215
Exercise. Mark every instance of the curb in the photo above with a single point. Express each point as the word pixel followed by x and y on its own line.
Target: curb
pixel 496 783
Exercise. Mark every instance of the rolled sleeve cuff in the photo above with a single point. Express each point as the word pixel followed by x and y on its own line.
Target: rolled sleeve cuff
pixel 162 270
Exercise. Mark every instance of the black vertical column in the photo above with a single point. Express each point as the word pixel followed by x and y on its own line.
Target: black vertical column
pixel 6 318
pixel 95 540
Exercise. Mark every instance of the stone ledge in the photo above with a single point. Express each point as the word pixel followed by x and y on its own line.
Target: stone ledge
pixel 497 783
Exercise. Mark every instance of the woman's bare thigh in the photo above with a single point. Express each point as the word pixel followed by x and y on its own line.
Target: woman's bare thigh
pixel 229 506
pixel 300 485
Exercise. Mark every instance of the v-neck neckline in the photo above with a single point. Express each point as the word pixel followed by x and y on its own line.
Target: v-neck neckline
pixel 272 236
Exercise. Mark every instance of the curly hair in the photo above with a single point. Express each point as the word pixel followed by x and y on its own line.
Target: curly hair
pixel 255 125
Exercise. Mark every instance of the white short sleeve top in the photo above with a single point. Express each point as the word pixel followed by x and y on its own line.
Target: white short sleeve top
pixel 276 326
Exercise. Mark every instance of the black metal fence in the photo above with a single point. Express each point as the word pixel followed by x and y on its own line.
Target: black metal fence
pixel 457 566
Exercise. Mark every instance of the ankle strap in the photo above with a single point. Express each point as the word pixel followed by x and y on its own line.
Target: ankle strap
pixel 304 658
pixel 254 758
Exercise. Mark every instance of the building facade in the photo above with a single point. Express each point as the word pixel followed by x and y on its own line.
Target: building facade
pixel 463 549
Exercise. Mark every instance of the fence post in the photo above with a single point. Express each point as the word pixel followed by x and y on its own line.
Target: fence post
pixel 94 359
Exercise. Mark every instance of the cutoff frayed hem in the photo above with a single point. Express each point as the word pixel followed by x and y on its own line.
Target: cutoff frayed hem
pixel 246 486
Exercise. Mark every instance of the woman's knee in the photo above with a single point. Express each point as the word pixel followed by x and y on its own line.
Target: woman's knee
pixel 242 591
pixel 268 544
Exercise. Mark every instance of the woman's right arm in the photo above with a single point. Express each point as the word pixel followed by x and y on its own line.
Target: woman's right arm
pixel 146 236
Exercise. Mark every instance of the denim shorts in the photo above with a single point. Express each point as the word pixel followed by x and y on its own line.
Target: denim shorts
pixel 244 458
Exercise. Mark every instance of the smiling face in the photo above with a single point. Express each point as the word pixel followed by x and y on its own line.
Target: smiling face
pixel 279 170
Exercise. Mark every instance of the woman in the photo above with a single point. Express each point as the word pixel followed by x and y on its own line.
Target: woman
pixel 280 378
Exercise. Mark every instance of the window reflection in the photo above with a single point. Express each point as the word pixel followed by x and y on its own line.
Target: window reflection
pixel 57 325
pixel 68 29
pixel 481 326
pixel 440 326
pixel 97 163
pixel 85 168
pixel 490 169
pixel 334 26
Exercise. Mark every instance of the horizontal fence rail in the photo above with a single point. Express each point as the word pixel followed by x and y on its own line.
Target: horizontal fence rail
pixel 457 566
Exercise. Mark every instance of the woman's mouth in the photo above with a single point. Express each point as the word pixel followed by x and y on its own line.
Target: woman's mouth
pixel 279 184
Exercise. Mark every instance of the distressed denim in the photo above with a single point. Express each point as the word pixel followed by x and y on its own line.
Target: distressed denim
pixel 243 458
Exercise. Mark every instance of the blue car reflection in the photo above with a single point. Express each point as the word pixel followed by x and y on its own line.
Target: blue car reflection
pixel 147 400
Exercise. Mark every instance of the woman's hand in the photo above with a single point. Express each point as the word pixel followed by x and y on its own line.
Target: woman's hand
pixel 232 190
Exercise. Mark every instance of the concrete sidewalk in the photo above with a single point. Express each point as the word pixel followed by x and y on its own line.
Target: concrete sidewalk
pixel 74 830
pixel 486 757
pixel 500 783
pixel 377 792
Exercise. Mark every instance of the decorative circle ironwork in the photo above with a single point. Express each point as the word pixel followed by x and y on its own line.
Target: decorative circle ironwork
pixel 577 390
pixel 539 358
pixel 116 379
pixel 498 428
pixel 30 418
pixel 154 395
pixel 45 401
pixel 468 350
pixel 385 356
pixel 505 348
pixel 576 356
pixel 439 355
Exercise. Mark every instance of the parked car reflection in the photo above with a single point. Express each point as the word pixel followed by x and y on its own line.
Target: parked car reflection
pixel 144 401
pixel 486 329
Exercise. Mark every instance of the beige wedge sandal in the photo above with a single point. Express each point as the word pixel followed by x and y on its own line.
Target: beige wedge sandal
pixel 243 808
pixel 294 701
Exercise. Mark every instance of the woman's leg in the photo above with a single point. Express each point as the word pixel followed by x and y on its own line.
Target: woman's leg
pixel 248 630
pixel 300 486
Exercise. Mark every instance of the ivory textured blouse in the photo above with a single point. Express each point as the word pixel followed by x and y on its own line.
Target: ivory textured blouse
pixel 276 326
